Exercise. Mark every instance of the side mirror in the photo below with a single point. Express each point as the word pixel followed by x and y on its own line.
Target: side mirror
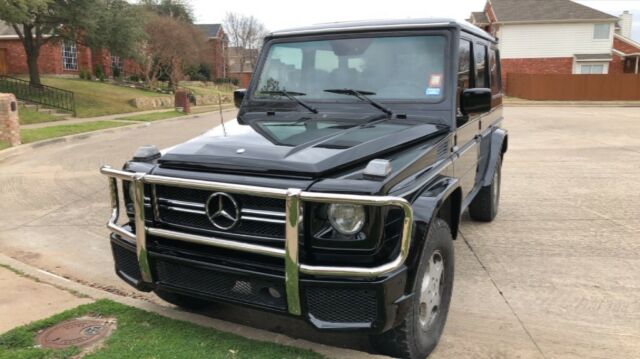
pixel 238 96
pixel 475 100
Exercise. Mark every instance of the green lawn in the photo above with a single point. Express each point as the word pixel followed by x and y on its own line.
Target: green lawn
pixel 37 134
pixel 4 144
pixel 94 98
pixel 154 116
pixel 28 116
pixel 141 334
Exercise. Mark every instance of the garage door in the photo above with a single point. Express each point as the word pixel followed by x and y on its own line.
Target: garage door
pixel 3 62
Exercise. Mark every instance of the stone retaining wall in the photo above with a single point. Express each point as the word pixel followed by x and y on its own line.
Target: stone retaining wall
pixel 153 103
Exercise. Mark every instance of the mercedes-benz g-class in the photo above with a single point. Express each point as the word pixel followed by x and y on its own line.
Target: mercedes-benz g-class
pixel 336 194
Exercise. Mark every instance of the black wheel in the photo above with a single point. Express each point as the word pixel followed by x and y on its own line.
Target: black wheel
pixel 182 301
pixel 484 207
pixel 418 334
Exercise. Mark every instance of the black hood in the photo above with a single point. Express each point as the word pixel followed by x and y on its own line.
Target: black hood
pixel 298 144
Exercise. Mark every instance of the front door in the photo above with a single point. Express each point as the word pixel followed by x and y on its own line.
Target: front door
pixel 3 62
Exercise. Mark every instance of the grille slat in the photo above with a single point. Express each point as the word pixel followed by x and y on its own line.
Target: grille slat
pixel 342 305
pixel 260 216
pixel 235 287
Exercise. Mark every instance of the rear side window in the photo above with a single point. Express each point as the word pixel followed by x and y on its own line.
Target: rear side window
pixel 480 55
pixel 494 68
pixel 464 65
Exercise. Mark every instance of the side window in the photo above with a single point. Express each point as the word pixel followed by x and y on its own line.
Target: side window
pixel 494 68
pixel 464 65
pixel 464 70
pixel 480 54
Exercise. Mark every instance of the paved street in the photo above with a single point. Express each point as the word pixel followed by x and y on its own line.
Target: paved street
pixel 555 276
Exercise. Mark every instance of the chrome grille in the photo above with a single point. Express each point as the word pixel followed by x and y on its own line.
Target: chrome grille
pixel 259 216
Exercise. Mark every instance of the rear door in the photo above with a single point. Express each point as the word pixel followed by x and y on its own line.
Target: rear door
pixel 4 68
pixel 472 72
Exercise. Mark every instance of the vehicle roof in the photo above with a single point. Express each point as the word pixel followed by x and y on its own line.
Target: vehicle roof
pixel 373 25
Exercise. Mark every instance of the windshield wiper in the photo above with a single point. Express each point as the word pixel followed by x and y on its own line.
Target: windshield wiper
pixel 362 95
pixel 291 96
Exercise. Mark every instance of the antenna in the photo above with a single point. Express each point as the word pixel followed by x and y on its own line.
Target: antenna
pixel 224 130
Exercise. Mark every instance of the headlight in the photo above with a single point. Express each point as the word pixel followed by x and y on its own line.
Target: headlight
pixel 346 218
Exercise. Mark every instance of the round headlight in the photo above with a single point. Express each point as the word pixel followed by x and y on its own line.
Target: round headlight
pixel 346 218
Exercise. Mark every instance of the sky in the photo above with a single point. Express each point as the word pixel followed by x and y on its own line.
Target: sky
pixel 282 14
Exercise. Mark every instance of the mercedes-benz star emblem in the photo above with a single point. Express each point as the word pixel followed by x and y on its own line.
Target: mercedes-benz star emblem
pixel 223 211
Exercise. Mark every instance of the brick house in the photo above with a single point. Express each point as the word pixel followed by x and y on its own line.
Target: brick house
pixel 217 51
pixel 559 37
pixel 57 58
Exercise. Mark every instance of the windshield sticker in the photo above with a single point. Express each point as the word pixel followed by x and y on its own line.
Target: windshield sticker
pixel 432 91
pixel 435 80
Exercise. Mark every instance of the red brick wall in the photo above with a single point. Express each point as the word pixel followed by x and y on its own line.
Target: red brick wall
pixel 50 60
pixel 102 58
pixel 551 65
pixel 216 57
pixel 624 47
pixel 243 77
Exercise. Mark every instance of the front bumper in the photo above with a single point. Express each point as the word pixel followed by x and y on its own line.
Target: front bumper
pixel 371 306
pixel 302 288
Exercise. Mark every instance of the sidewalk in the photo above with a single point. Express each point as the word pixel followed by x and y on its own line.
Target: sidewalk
pixel 38 294
pixel 120 116
pixel 24 299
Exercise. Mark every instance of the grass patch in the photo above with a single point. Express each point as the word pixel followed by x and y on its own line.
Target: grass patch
pixel 141 334
pixel 29 116
pixel 4 144
pixel 94 98
pixel 154 116
pixel 38 134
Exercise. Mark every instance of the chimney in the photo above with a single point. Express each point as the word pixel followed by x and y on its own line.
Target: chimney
pixel 626 21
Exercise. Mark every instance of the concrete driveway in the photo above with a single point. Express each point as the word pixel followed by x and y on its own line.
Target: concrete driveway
pixel 555 276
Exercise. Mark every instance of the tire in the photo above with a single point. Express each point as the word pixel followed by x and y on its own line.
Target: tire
pixel 182 301
pixel 484 207
pixel 418 333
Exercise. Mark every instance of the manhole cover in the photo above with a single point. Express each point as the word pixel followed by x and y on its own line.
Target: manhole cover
pixel 80 332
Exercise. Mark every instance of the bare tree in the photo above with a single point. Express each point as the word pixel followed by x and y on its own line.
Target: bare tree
pixel 246 34
pixel 172 45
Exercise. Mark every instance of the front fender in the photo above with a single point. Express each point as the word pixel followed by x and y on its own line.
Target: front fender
pixel 498 148
pixel 425 208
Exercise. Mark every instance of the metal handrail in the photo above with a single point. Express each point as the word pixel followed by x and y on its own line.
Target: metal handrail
pixel 294 199
pixel 40 94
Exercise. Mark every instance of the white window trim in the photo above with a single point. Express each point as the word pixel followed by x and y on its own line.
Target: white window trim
pixel 75 54
pixel 577 66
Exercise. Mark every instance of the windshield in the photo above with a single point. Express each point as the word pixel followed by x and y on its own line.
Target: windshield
pixel 394 68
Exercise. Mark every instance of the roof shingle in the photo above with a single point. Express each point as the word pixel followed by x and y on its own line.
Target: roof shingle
pixel 211 30
pixel 6 29
pixel 545 10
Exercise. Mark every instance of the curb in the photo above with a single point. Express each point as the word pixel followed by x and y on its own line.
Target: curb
pixel 17 150
pixel 173 313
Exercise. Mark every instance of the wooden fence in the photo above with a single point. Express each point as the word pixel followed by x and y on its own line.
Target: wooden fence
pixel 543 87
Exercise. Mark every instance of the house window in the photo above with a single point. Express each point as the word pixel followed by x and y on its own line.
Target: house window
pixel 69 55
pixel 116 66
pixel 592 69
pixel 601 31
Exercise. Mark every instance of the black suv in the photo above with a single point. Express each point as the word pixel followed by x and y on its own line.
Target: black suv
pixel 337 193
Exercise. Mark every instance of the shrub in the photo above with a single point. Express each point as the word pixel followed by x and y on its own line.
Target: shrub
pixel 134 78
pixel 99 72
pixel 116 72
